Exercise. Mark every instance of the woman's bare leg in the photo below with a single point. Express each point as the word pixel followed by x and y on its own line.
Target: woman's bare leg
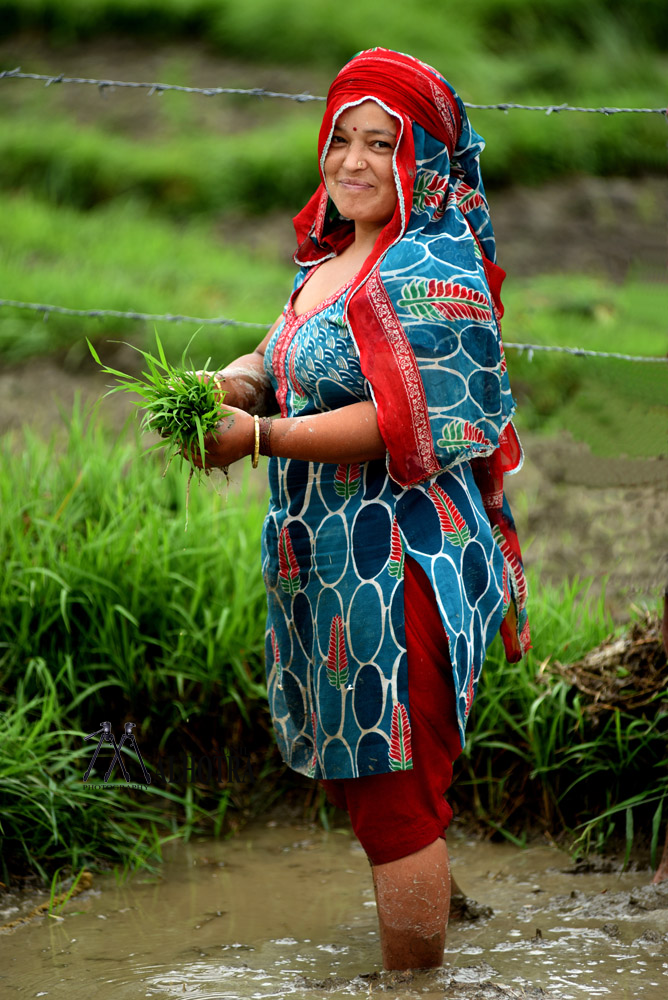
pixel 413 900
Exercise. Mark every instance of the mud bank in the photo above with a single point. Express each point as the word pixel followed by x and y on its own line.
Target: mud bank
pixel 289 912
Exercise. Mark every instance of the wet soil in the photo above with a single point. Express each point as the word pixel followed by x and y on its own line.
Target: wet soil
pixel 287 911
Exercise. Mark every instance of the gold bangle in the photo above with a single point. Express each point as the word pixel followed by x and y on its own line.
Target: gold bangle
pixel 256 450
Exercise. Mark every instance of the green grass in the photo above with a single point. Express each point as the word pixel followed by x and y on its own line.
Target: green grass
pixel 184 163
pixel 330 32
pixel 178 404
pixel 617 407
pixel 536 759
pixel 184 154
pixel 101 573
pixel 122 257
pixel 49 818
pixel 109 610
pixel 67 163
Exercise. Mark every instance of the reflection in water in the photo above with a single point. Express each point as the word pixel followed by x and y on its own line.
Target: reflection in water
pixel 288 912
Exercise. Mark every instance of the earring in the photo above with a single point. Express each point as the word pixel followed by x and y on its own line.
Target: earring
pixel 360 163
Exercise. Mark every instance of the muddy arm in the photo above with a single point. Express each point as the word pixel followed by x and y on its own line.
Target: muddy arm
pixel 245 382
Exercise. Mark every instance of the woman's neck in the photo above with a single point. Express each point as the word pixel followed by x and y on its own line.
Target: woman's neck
pixel 365 240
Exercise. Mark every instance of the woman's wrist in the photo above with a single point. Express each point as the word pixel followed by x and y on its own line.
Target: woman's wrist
pixel 261 438
pixel 265 425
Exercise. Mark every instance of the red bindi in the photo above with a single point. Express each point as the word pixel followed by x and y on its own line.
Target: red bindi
pixel 354 128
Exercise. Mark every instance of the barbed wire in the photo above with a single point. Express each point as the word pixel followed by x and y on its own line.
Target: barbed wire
pixel 161 88
pixel 581 352
pixel 47 309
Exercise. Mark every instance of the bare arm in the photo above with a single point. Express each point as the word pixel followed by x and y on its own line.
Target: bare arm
pixel 349 434
pixel 245 382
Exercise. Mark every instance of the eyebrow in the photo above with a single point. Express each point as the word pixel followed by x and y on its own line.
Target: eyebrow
pixel 368 131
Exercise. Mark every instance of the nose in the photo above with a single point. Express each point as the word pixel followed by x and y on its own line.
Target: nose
pixel 354 156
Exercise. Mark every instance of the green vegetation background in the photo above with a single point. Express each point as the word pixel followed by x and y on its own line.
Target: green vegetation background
pixel 167 204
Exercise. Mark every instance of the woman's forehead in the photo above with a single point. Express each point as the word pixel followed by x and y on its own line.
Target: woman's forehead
pixel 366 116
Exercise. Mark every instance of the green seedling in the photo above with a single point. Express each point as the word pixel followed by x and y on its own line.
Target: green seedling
pixel 180 405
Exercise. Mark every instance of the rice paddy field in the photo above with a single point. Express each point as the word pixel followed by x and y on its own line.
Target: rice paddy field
pixel 181 204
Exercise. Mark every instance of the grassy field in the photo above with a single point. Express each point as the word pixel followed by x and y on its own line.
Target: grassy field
pixel 109 609
pixel 525 41
pixel 121 201
pixel 122 257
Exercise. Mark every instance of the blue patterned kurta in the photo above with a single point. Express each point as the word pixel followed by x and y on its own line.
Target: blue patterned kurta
pixel 333 549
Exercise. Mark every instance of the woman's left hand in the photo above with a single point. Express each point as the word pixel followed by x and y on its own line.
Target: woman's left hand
pixel 233 438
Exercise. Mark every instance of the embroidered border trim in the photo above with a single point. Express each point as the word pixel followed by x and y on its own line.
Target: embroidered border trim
pixel 285 339
pixel 408 370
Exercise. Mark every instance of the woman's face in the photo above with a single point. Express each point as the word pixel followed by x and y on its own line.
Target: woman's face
pixel 358 165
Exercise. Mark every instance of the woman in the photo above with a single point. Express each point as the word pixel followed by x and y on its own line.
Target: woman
pixel 389 552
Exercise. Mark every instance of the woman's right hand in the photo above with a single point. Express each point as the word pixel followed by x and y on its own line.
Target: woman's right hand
pixel 233 438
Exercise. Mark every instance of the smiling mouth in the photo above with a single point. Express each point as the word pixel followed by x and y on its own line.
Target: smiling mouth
pixel 359 185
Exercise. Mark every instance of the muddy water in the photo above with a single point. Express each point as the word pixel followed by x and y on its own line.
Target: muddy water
pixel 289 912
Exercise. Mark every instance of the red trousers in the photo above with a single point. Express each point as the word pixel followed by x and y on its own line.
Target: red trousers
pixel 399 813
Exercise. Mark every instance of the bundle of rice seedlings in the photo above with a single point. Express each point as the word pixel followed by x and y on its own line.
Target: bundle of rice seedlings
pixel 178 403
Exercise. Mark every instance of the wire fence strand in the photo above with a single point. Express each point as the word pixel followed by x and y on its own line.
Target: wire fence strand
pixel 47 309
pixel 161 88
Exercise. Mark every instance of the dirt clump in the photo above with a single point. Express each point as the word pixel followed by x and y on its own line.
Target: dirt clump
pixel 626 672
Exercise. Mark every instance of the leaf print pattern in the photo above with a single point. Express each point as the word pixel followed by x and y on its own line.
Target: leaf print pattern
pixel 347 480
pixel 314 760
pixel 429 190
pixel 453 524
pixel 396 564
pixel 288 567
pixel 515 570
pixel 469 695
pixel 462 434
pixel 299 397
pixel 468 198
pixel 400 752
pixel 277 658
pixel 433 299
pixel 337 660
